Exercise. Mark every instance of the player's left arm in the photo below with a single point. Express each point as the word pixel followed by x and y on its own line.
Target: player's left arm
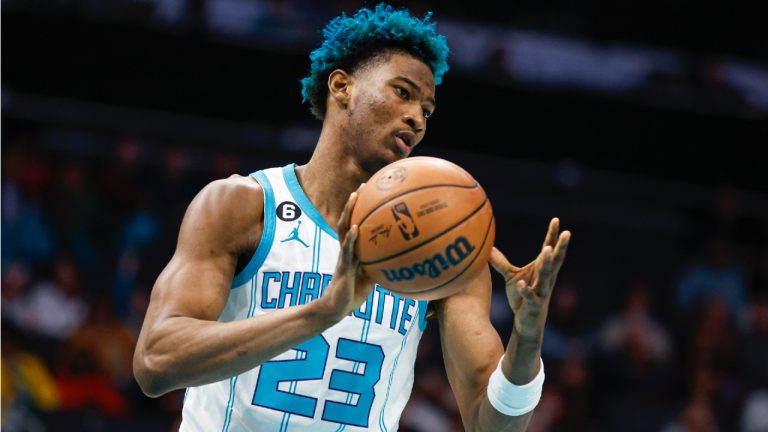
pixel 472 347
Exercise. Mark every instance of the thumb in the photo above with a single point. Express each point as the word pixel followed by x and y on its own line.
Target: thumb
pixel 348 259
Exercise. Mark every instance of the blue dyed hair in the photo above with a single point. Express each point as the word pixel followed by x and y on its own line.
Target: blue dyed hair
pixel 351 41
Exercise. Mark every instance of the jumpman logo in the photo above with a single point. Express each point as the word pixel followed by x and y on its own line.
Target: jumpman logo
pixel 294 235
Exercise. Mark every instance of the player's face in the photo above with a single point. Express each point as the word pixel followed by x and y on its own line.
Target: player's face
pixel 391 101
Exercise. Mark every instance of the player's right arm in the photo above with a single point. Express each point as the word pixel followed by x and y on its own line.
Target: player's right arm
pixel 181 343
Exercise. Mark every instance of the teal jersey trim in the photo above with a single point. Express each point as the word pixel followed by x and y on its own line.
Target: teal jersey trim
pixel 289 173
pixel 423 304
pixel 267 235
pixel 230 404
pixel 382 423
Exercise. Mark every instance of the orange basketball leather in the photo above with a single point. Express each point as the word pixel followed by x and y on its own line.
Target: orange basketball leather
pixel 426 226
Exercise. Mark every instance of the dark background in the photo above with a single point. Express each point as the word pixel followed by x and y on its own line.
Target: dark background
pixel 115 115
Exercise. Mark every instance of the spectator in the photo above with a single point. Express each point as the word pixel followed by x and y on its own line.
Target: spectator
pixel 27 385
pixel 634 371
pixel 565 334
pixel 635 325
pixel 719 277
pixel 73 211
pixel 697 416
pixel 105 341
pixel 53 308
pixel 755 357
pixel 16 278
pixel 26 235
pixel 754 417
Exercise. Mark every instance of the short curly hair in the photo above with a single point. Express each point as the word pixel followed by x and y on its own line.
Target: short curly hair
pixel 351 41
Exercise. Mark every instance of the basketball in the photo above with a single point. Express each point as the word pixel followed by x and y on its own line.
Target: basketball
pixel 425 226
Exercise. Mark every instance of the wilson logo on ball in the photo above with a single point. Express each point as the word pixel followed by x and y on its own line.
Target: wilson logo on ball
pixel 453 255
pixel 405 221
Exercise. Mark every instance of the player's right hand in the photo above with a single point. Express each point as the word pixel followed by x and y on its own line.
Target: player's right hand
pixel 350 286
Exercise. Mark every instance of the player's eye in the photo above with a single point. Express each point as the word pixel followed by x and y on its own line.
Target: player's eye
pixel 427 114
pixel 403 93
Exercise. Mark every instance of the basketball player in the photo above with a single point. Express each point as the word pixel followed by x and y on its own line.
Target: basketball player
pixel 263 313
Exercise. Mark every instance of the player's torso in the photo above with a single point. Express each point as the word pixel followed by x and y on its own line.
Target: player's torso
pixel 356 375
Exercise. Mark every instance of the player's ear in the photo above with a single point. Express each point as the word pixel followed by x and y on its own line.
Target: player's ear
pixel 339 86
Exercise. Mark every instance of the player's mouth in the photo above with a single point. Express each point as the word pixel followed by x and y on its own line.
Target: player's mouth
pixel 405 140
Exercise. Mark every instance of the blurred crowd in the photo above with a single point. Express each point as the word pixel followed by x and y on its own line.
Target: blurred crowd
pixel 88 226
pixel 550 46
pixel 80 251
pixel 83 239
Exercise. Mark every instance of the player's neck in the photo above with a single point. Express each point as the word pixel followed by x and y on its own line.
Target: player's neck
pixel 329 177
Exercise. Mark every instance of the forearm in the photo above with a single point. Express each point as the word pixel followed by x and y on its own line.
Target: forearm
pixel 472 348
pixel 183 351
pixel 520 365
pixel 522 359
pixel 516 388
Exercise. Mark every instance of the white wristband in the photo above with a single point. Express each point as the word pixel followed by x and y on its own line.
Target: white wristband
pixel 514 400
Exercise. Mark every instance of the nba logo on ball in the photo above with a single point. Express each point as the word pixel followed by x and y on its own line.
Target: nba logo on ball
pixel 445 221
pixel 405 221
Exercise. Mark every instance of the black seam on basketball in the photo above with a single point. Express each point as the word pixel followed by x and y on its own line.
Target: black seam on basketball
pixel 413 190
pixel 462 272
pixel 436 236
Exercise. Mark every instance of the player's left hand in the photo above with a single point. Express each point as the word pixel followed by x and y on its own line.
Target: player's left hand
pixel 529 288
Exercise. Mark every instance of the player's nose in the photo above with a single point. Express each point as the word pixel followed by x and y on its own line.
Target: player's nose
pixel 414 119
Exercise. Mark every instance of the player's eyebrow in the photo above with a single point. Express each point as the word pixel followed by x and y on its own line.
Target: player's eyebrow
pixel 416 87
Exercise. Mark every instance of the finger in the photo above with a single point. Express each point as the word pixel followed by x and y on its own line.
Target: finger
pixel 526 292
pixel 348 249
pixel 500 263
pixel 560 250
pixel 362 276
pixel 551 270
pixel 538 265
pixel 551 237
pixel 545 274
pixel 346 215
pixel 514 295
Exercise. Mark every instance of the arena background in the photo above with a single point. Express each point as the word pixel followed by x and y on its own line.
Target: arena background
pixel 640 124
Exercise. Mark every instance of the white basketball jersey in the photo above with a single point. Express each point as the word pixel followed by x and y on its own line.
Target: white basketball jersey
pixel 355 376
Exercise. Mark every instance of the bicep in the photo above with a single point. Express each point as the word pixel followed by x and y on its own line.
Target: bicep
pixel 193 287
pixel 471 345
pixel 197 280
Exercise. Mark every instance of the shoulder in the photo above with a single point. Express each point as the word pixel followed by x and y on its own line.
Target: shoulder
pixel 233 190
pixel 228 211
pixel 230 199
